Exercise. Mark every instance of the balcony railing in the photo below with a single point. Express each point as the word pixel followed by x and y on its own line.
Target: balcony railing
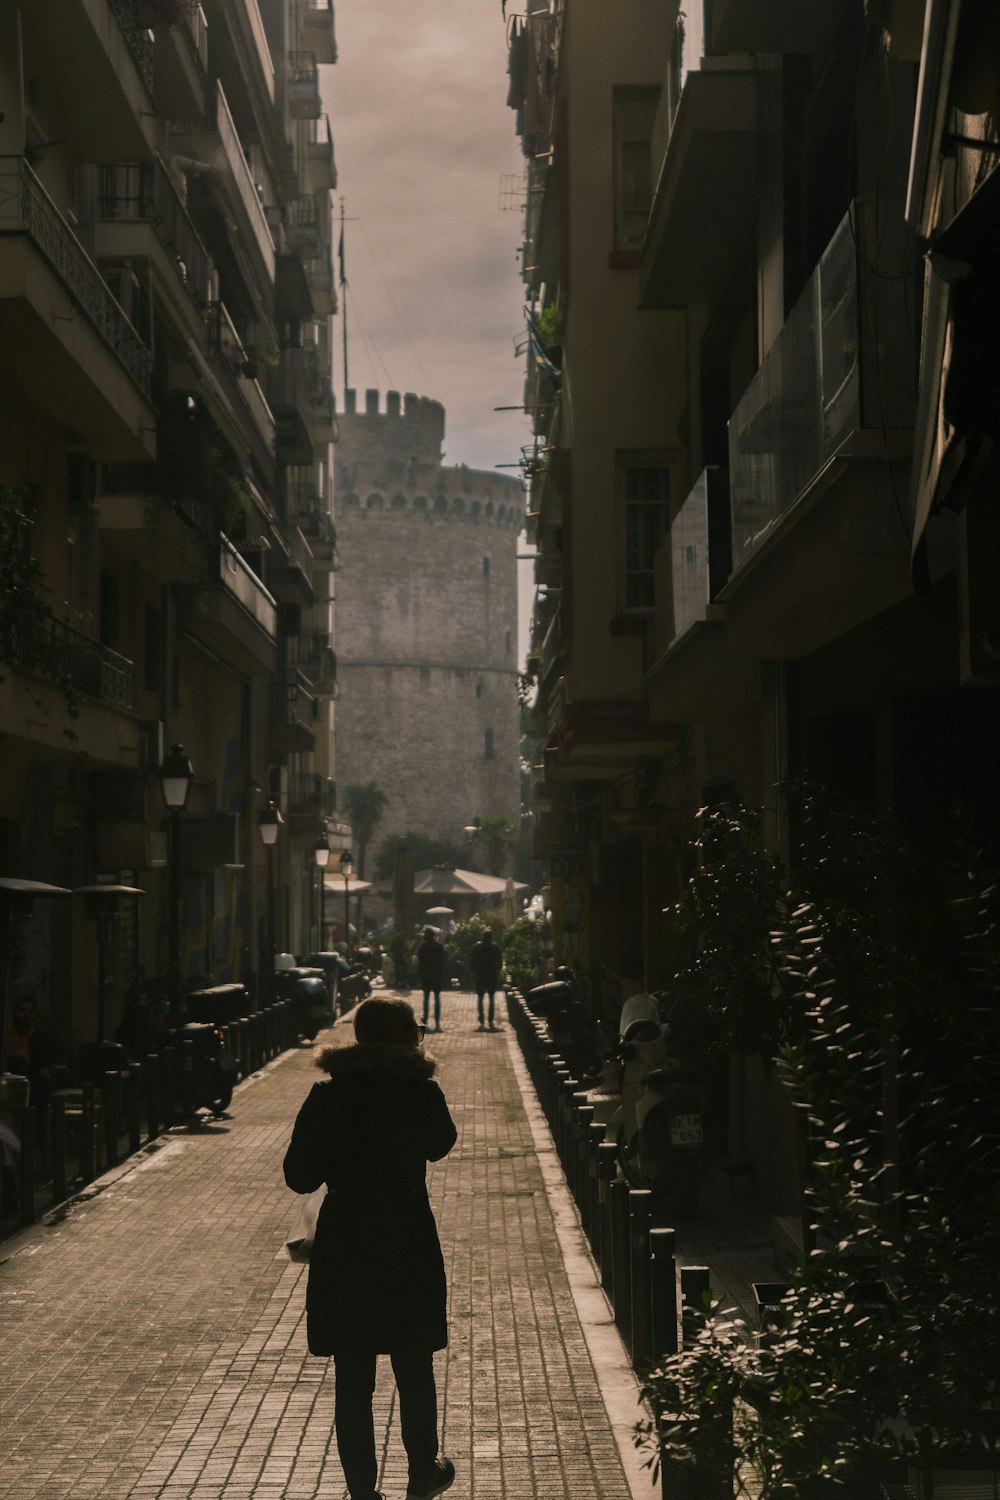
pixel 303 231
pixel 26 208
pixel 293 704
pixel 45 647
pixel 143 192
pixel 242 582
pixel 308 792
pixel 699 549
pixel 303 86
pixel 138 39
pixel 810 394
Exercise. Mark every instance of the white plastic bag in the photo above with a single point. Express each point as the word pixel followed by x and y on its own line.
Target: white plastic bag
pixel 300 1242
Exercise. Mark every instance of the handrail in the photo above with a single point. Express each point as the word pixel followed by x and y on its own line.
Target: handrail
pixel 47 647
pixel 26 208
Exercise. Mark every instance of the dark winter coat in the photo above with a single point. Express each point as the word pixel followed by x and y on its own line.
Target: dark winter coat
pixel 484 961
pixel 430 964
pixel 376 1275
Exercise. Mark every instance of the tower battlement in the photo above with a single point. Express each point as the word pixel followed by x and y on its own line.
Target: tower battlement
pixel 410 426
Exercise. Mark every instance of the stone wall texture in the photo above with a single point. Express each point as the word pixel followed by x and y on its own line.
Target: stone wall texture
pixel 426 621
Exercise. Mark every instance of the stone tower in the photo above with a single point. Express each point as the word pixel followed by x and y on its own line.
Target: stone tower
pixel 426 621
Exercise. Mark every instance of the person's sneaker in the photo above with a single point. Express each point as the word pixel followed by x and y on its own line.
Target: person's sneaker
pixel 442 1478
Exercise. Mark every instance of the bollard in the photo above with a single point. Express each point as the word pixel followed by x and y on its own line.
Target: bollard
pixel 168 1086
pixel 607 1171
pixel 187 1078
pixel 245 1069
pixel 595 1136
pixel 59 1191
pixel 112 1117
pixel 88 1163
pixel 621 1292
pixel 569 1087
pixel 26 1167
pixel 583 1115
pixel 134 1107
pixel 694 1294
pixel 153 1115
pixel 640 1286
pixel 679 1479
pixel 663 1279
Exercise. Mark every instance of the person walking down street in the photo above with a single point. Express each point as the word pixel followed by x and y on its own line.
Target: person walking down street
pixel 430 969
pixel 485 960
pixel 376 1274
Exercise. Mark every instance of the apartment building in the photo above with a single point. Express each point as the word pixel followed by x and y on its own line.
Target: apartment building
pixel 166 422
pixel 815 192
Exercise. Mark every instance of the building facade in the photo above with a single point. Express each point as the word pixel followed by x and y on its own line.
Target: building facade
pixel 166 421
pixel 427 614
pixel 805 196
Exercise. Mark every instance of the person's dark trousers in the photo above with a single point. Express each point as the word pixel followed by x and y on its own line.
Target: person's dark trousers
pixel 414 1372
pixel 479 997
pixel 437 1006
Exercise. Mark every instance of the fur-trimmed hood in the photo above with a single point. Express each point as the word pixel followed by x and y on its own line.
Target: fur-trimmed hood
pixel 375 1057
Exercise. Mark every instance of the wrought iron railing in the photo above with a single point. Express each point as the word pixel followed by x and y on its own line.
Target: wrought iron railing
pixel 26 208
pixel 309 792
pixel 138 39
pixel 46 647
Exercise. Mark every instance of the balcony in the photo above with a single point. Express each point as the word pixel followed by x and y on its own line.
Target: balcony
pixel 236 374
pixel 700 551
pixel 311 797
pixel 704 207
pixel 291 574
pixel 292 293
pixel 321 167
pixel 782 26
pixel 67 342
pixel 48 649
pixel 140 215
pixel 320 30
pixel 229 186
pixel 311 515
pixel 166 541
pixel 291 387
pixel 303 86
pixel 104 55
pixel 319 275
pixel 312 655
pixel 304 227
pixel 236 616
pixel 321 414
pixel 293 712
pixel 181 65
pixel 813 445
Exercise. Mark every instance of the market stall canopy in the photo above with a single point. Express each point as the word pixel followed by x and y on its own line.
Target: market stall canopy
pixel 442 880
pixel 335 882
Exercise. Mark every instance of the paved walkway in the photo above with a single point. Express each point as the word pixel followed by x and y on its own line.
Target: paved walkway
pixel 153 1342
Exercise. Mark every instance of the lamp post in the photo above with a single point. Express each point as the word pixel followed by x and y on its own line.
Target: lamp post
pixel 175 776
pixel 269 820
pixel 321 855
pixel 346 866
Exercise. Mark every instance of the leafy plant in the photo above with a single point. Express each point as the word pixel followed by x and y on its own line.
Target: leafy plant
pixel 425 852
pixel 526 946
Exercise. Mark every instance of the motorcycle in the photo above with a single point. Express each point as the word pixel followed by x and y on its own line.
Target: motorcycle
pixel 213 1066
pixel 306 988
pixel 659 1127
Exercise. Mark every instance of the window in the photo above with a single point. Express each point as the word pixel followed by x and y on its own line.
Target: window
pixel 634 111
pixel 486 567
pixel 488 745
pixel 645 493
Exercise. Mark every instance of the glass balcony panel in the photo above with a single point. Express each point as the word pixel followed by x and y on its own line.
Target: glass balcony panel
pixel 689 555
pixel 236 576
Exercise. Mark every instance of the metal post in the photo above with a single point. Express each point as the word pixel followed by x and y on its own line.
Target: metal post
pixel 154 1114
pixel 595 1137
pixel 134 1107
pixel 583 1115
pixel 640 1217
pixel 26 1206
pixel 663 1268
pixel 112 1117
pixel 621 1270
pixel 88 1165
pixel 59 1193
pixel 174 918
pixel 168 1086
pixel 607 1171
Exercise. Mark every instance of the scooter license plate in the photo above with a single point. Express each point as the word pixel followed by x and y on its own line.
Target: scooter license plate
pixel 686 1130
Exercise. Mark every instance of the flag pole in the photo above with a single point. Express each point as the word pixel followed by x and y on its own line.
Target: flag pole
pixel 343 296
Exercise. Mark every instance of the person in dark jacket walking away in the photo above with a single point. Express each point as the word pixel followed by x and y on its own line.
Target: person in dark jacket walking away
pixel 376 1274
pixel 430 968
pixel 484 961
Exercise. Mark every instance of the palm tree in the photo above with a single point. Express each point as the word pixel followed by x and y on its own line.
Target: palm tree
pixel 364 804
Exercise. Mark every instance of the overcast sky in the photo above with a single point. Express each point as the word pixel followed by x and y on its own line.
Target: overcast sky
pixel 423 137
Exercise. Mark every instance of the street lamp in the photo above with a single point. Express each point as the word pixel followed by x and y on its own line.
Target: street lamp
pixel 321 854
pixel 346 866
pixel 175 776
pixel 269 820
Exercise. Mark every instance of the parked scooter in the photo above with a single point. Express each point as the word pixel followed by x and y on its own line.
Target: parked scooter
pixel 658 1127
pixel 307 989
pixel 213 1066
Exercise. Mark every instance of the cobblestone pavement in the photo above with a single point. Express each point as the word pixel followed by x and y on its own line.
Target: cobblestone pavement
pixel 153 1341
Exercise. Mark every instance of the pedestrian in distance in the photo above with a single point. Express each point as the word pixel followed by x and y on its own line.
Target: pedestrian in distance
pixel 376 1274
pixel 485 962
pixel 430 970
